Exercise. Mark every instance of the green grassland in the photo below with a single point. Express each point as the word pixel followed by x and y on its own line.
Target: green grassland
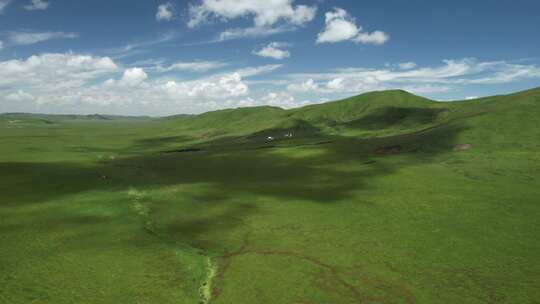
pixel 385 197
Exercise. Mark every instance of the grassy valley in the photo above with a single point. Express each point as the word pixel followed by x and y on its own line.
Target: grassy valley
pixel 385 197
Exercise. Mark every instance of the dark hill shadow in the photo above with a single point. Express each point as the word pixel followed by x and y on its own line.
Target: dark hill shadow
pixel 391 116
pixel 158 142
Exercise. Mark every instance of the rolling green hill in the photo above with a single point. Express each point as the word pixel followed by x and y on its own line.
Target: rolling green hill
pixel 384 107
pixel 385 197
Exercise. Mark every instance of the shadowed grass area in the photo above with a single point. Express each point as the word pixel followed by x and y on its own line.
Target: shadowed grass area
pixel 368 201
pixel 227 165
pixel 391 116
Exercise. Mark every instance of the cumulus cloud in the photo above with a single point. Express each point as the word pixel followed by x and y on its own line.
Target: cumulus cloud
pixel 283 100
pixel 376 37
pixel 77 81
pixel 264 12
pixel 280 99
pixel 336 84
pixel 54 70
pixel 275 99
pixel 306 86
pixel 269 16
pixel 133 77
pixel 35 5
pixel 230 85
pixel 340 26
pixel 273 50
pixel 134 89
pixel 164 12
pixel 193 66
pixel 26 38
pixel 49 77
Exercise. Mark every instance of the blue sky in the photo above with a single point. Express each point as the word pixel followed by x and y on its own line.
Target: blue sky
pixel 149 57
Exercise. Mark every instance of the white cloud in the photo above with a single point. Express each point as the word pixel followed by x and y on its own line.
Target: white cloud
pixel 20 96
pixel 252 32
pixel 336 84
pixel 340 26
pixel 133 77
pixel 192 96
pixel 139 46
pixel 471 97
pixel 307 86
pixel 275 99
pixel 37 5
pixel 255 71
pixel 97 84
pixel 283 100
pixel 194 66
pixel 245 102
pixel 450 75
pixel 3 5
pixel 407 65
pixel 26 38
pixel 502 72
pixel 164 12
pixel 269 16
pixel 225 86
pixel 426 88
pixel 273 50
pixel 280 99
pixel 264 12
pixel 376 37
pixel 52 71
pixel 77 81
pixel 52 77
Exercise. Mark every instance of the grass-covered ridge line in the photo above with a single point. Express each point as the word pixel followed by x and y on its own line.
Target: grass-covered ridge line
pixel 385 197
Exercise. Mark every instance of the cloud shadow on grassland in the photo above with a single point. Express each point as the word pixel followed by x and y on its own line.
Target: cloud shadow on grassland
pixel 254 171
pixel 270 173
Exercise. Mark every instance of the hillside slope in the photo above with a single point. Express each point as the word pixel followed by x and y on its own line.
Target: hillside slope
pixel 375 114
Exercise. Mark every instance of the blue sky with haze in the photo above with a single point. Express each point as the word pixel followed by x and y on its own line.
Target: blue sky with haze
pixel 166 57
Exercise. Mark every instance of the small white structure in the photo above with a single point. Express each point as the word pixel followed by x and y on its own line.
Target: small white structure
pixel 289 135
pixel 269 138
